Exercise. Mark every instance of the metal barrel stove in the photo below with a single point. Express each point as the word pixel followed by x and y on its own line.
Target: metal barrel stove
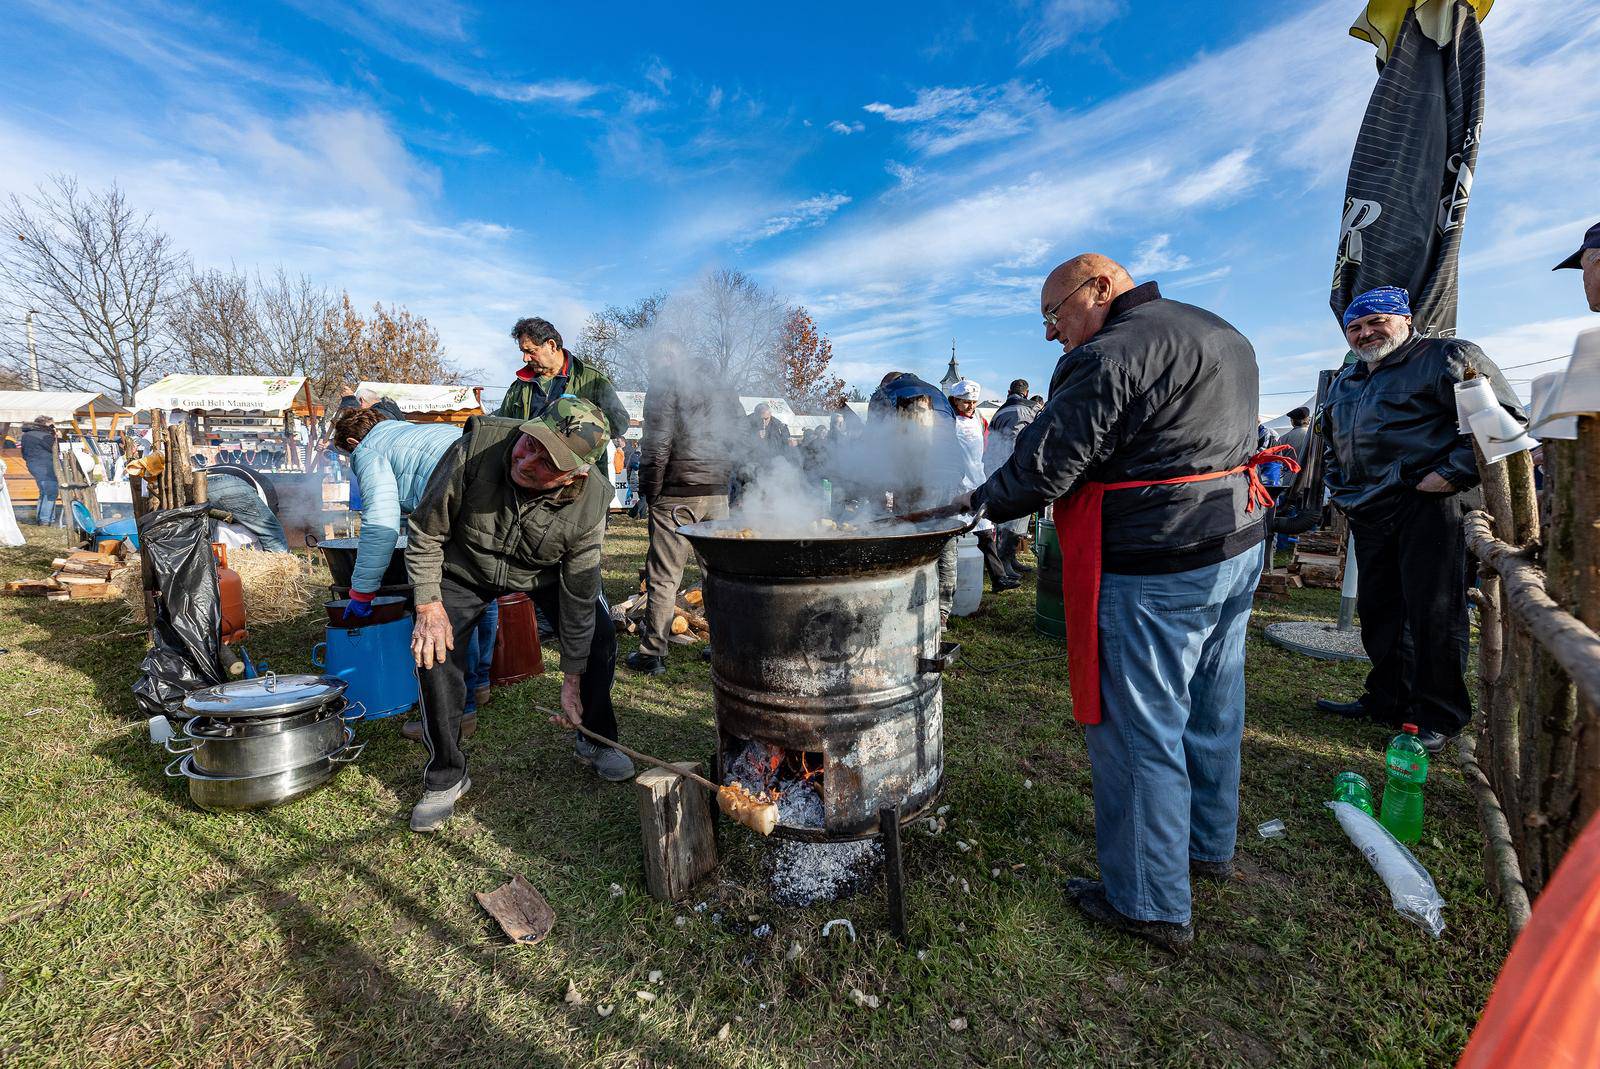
pixel 828 649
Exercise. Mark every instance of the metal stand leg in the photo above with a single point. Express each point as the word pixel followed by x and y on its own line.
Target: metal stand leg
pixel 889 826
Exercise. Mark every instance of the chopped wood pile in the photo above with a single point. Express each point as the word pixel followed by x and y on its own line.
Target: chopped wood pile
pixel 1318 569
pixel 688 624
pixel 84 575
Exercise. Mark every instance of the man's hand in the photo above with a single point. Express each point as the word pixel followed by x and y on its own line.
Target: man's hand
pixel 571 703
pixel 356 609
pixel 431 636
pixel 1434 483
pixel 962 503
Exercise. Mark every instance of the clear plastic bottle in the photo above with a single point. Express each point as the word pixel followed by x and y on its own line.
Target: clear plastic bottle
pixel 1407 763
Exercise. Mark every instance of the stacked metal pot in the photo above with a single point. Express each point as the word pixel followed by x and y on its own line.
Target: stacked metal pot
pixel 258 743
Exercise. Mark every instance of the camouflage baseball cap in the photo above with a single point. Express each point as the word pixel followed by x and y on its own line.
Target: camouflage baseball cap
pixel 572 429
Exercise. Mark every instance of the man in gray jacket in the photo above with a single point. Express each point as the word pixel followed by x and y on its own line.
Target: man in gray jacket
pixel 513 506
pixel 1009 420
pixel 685 459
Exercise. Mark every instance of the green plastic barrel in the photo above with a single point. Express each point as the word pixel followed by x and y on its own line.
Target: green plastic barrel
pixel 1049 610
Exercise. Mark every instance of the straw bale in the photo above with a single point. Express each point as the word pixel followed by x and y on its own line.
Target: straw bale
pixel 277 586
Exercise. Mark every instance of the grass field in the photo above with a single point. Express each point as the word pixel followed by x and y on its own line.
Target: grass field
pixel 136 930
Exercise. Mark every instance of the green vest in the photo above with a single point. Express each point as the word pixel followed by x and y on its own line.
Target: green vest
pixel 503 537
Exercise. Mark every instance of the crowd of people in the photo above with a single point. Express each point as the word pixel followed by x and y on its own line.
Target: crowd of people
pixel 1149 452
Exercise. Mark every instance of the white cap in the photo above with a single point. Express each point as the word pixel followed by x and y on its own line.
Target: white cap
pixel 964 390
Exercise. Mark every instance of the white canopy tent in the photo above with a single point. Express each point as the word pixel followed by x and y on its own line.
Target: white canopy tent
pixel 63 406
pixel 417 397
pixel 222 393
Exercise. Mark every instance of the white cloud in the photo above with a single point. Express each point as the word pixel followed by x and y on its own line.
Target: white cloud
pixel 904 176
pixel 1201 279
pixel 1223 180
pixel 1029 253
pixel 1056 23
pixel 846 128
pixel 658 74
pixel 811 212
pixel 554 90
pixel 945 119
pixel 1155 257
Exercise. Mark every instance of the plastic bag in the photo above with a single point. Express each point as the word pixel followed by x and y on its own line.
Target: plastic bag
pixel 186 647
pixel 1411 889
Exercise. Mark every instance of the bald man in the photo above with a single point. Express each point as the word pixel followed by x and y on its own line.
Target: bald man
pixel 1146 447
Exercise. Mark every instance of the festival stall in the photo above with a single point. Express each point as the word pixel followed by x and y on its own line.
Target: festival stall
pixel 79 415
pixel 422 403
pixel 252 410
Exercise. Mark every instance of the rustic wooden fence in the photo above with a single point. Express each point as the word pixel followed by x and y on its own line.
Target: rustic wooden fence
pixel 1532 754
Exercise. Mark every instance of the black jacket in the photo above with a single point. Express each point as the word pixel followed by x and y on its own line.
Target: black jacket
pixel 1165 389
pixel 687 448
pixel 39 450
pixel 1386 427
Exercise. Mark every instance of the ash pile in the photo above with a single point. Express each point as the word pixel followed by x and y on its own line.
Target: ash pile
pixel 801 872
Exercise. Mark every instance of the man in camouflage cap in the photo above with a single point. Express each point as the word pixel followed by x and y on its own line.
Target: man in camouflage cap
pixel 513 506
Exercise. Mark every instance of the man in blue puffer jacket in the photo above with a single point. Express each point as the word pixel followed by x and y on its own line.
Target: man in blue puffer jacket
pixel 391 461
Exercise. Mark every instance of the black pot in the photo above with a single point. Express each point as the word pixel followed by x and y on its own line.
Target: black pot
pixel 340 553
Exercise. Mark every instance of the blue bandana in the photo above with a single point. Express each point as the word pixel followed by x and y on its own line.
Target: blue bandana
pixel 1389 300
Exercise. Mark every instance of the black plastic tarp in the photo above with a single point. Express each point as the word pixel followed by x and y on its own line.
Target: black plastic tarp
pixel 175 544
pixel 1411 172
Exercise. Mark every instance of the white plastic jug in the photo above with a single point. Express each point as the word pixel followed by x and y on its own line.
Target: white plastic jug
pixel 969 576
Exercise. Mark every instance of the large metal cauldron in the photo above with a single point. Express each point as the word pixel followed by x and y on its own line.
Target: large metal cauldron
pixel 829 648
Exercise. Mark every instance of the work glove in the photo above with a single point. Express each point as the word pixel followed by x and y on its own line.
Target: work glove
pixel 359 607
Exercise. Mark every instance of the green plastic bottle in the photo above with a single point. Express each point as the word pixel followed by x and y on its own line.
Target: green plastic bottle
pixel 1353 787
pixel 1407 762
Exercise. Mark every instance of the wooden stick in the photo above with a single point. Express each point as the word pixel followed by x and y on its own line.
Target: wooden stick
pixel 1574 646
pixel 1504 871
pixel 757 815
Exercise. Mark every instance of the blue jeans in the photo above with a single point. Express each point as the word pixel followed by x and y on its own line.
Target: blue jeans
pixel 1165 755
pixel 480 657
pixel 45 514
pixel 233 495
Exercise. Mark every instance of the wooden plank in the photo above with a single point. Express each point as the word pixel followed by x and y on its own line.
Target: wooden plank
pixel 680 845
pixel 92 592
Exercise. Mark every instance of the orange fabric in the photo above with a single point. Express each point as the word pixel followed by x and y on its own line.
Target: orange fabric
pixel 1078 532
pixel 1543 1010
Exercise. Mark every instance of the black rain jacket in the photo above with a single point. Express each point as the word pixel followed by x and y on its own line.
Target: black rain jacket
pixel 1165 389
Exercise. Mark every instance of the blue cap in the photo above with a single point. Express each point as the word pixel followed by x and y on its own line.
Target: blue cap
pixel 1591 240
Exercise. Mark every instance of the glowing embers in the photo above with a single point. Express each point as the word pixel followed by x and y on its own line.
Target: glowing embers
pixel 793 778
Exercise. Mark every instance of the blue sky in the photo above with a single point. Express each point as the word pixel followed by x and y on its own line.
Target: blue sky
pixel 908 172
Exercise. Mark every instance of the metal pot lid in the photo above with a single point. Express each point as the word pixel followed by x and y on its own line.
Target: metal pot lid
pixel 268 695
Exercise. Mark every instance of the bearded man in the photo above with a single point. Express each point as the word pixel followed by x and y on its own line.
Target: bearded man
pixel 1396 459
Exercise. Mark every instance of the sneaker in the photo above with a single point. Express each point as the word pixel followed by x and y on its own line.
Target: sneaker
pixel 1090 897
pixel 436 807
pixel 1004 583
pixel 649 664
pixel 412 729
pixel 1432 741
pixel 1220 871
pixel 612 765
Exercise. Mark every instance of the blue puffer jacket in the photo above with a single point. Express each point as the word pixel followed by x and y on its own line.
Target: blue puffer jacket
pixel 391 466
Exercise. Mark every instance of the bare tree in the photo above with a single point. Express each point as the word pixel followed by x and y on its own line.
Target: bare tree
pixel 737 325
pixel 215 325
pixel 391 345
pixel 99 276
pixel 615 341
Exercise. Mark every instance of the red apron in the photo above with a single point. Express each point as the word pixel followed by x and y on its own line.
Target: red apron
pixel 1078 534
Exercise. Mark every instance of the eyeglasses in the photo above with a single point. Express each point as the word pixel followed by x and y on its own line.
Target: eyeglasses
pixel 1050 316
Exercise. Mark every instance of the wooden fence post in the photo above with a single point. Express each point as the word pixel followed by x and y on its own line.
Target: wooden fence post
pixel 1586 558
